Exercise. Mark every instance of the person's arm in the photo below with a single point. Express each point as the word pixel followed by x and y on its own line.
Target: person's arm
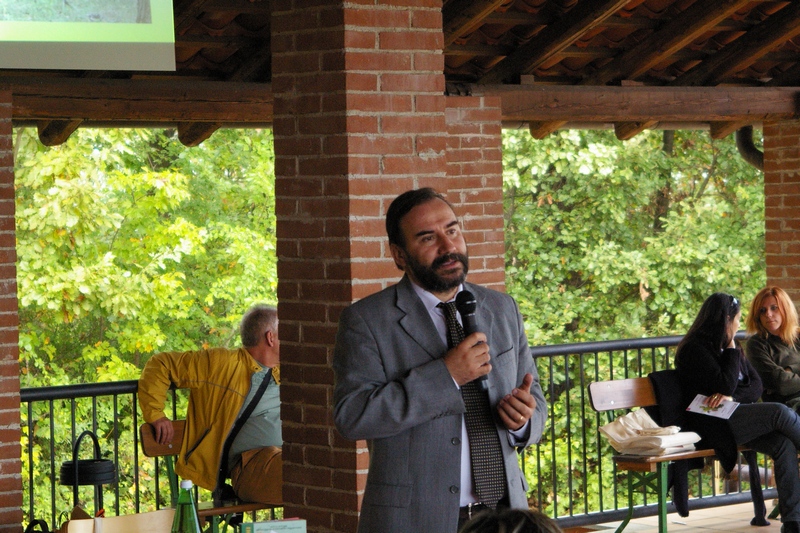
pixel 776 379
pixel 161 371
pixel 369 404
pixel 751 392
pixel 703 372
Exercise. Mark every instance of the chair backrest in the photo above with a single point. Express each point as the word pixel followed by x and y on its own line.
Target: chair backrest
pixel 621 394
pixel 151 447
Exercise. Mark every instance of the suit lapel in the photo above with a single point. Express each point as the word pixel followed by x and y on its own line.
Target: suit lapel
pixel 416 320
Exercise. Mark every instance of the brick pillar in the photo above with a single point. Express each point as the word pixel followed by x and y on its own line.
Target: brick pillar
pixel 782 205
pixel 475 168
pixel 359 117
pixel 10 468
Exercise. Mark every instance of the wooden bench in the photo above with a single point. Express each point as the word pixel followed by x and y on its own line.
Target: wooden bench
pixel 207 511
pixel 650 471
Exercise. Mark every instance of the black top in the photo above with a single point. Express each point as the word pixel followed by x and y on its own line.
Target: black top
pixel 702 369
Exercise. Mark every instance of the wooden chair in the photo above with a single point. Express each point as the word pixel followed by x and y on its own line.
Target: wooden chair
pixel 207 511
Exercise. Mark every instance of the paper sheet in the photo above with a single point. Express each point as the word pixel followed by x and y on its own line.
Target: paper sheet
pixel 723 410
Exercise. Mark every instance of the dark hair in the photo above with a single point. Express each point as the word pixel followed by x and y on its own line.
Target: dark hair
pixel 712 321
pixel 256 322
pixel 511 521
pixel 401 206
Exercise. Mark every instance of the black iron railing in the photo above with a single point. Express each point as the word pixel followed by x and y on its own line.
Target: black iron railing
pixel 570 471
pixel 571 475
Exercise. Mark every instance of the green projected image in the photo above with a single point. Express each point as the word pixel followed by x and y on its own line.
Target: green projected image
pixel 87 34
pixel 130 11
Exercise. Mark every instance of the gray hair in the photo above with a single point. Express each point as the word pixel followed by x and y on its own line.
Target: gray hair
pixel 256 322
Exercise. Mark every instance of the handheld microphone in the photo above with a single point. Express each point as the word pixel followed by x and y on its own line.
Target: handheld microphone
pixel 466 306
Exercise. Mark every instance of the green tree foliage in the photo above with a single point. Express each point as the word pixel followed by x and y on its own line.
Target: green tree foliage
pixel 130 243
pixel 609 239
pixel 612 240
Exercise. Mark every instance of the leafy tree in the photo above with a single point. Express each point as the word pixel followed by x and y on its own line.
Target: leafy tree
pixel 129 243
pixel 609 239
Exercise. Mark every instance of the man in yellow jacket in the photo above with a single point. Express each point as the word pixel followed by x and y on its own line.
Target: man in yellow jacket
pixel 223 383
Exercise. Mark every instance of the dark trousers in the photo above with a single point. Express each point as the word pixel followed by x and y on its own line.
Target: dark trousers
pixel 773 429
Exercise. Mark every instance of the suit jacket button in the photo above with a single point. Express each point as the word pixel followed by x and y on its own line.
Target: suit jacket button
pixel 453 489
pixel 455 441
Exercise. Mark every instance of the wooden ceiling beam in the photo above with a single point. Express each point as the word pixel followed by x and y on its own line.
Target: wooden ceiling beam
pixel 534 103
pixel 552 39
pixel 459 17
pixel 778 28
pixel 673 36
pixel 140 101
pixel 111 101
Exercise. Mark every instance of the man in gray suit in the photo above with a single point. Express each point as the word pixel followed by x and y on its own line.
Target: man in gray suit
pixel 398 385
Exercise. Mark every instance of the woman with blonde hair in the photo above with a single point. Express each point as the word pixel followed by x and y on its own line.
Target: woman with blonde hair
pixel 774 345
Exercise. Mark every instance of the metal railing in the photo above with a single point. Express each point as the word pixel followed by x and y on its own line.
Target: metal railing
pixel 572 477
pixel 578 484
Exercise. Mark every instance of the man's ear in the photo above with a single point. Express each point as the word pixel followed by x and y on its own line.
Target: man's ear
pixel 399 256
pixel 270 336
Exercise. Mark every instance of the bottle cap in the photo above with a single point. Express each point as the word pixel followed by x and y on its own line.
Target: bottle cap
pixel 186 483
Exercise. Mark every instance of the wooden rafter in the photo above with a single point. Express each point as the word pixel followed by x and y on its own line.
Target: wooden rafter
pixel 664 43
pixel 720 130
pixel 55 132
pixel 461 16
pixel 629 130
pixel 193 133
pixel 554 38
pixel 186 12
pixel 540 130
pixel 779 27
pixel 673 36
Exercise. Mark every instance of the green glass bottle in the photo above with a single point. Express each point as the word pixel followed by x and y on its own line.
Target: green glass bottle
pixel 186 520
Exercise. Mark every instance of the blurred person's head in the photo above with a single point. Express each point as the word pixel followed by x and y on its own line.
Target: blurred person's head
pixel 511 521
pixel 772 312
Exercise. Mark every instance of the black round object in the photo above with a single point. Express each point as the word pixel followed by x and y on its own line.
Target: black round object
pixel 90 472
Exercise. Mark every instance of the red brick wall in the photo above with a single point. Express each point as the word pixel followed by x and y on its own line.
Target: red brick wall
pixel 782 209
pixel 10 474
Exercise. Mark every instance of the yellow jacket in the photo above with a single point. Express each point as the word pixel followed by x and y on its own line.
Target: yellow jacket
pixel 219 380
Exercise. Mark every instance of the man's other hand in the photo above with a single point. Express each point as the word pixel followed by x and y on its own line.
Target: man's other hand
pixel 516 409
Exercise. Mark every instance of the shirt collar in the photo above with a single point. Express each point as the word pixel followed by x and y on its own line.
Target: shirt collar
pixel 430 300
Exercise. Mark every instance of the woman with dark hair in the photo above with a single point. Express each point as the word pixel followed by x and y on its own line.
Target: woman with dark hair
pixel 774 345
pixel 709 363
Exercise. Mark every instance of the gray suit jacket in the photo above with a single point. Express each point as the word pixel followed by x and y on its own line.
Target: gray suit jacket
pixel 393 389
